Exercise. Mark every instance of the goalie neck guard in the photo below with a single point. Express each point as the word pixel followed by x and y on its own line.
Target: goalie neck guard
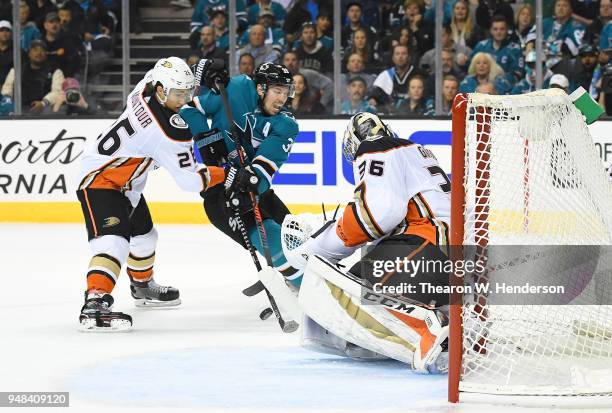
pixel 363 126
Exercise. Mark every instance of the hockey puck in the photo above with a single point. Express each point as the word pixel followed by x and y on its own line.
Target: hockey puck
pixel 265 314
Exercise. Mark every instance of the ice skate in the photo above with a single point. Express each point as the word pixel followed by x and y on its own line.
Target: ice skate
pixel 151 294
pixel 96 315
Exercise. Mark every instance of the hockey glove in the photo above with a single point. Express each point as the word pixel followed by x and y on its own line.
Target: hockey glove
pixel 209 72
pixel 239 184
pixel 211 147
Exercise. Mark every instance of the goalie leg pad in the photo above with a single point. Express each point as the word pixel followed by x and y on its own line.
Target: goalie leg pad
pixel 316 338
pixel 394 328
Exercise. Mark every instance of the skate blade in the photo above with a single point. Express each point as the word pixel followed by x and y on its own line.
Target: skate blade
pixel 147 303
pixel 116 326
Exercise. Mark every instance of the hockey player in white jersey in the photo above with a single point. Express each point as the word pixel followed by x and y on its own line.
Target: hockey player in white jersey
pixel 401 209
pixel 148 134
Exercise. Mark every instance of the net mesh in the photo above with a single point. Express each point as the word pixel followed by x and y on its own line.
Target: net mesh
pixel 533 177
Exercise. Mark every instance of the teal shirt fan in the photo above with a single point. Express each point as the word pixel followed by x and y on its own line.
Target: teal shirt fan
pixel 267 140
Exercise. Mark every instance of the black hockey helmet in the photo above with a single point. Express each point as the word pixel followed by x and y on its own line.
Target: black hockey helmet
pixel 269 73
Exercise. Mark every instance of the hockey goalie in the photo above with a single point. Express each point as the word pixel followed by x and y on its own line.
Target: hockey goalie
pixel 398 217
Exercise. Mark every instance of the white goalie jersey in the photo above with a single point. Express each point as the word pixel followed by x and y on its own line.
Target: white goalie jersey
pixel 146 136
pixel 401 189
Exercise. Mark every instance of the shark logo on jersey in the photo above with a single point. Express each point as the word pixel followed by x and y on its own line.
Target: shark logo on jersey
pixel 111 222
pixel 178 122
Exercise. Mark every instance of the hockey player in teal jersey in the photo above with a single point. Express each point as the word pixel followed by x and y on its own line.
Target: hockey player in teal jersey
pixel 266 131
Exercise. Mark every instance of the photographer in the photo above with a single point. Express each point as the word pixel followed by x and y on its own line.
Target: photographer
pixel 72 102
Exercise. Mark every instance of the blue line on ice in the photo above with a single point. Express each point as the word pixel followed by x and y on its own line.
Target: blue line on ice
pixel 238 377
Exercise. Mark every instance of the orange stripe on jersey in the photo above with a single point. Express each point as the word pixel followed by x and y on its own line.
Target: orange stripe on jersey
pixel 420 327
pixel 419 224
pixel 350 229
pixel 100 281
pixel 91 216
pixel 116 177
pixel 366 214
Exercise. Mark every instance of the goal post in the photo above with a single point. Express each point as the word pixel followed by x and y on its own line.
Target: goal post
pixel 527 181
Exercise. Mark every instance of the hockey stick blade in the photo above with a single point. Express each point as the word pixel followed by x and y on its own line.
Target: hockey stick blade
pixel 289 326
pixel 253 289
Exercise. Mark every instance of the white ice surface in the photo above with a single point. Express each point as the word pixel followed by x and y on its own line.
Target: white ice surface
pixel 210 354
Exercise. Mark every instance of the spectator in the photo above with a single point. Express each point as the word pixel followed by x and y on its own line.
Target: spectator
pixel 72 101
pixel 562 34
pixel 39 10
pixel 450 87
pixel 582 68
pixel 72 18
pixel 304 11
pixel 29 31
pixel 273 35
pixel 522 25
pixel 354 14
pixel 509 55
pixel 246 65
pixel 527 84
pixel 414 104
pixel 594 30
pixel 355 68
pixel 114 7
pixel 361 46
pixel 463 30
pixel 63 49
pixel 218 21
pixel 99 27
pixel 41 87
pixel 585 12
pixel 420 30
pixel 304 102
pixel 484 69
pixel 278 11
pixel 324 30
pixel 317 82
pixel 402 36
pixel 461 54
pixel 487 9
pixel 311 53
pixel 208 46
pixel 204 9
pixel 448 69
pixel 260 51
pixel 355 101
pixel 486 88
pixel 559 81
pixel 6 49
pixel 322 26
pixel 392 84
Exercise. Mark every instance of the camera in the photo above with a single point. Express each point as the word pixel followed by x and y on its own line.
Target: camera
pixel 72 96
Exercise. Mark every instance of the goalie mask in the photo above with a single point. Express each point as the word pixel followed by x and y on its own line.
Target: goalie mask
pixel 362 126
pixel 175 77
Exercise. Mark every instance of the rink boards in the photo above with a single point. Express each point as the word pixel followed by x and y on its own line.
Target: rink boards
pixel 39 164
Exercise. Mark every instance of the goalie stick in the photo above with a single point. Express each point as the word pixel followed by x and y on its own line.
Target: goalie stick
pixel 287 326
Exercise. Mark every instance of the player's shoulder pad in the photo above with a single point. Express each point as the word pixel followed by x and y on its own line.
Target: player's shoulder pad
pixel 283 123
pixel 381 145
pixel 172 124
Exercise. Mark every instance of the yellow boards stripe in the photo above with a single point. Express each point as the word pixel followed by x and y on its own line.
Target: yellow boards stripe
pixel 162 212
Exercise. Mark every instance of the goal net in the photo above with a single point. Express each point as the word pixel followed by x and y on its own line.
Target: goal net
pixel 530 198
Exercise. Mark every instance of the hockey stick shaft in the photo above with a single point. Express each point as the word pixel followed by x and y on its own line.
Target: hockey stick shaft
pixel 263 236
pixel 285 326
